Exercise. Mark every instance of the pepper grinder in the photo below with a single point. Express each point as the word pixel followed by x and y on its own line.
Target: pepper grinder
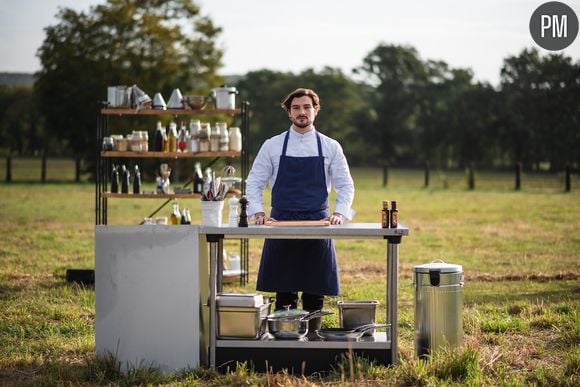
pixel 115 179
pixel 125 177
pixel 233 216
pixel 137 180
pixel 244 213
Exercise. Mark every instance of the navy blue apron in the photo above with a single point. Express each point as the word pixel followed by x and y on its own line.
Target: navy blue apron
pixel 292 265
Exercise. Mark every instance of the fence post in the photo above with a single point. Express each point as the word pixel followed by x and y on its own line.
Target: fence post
pixel 427 174
pixel 8 169
pixel 77 169
pixel 471 177
pixel 568 178
pixel 385 173
pixel 43 169
pixel 519 167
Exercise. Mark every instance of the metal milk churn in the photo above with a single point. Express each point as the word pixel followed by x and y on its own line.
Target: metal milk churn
pixel 438 306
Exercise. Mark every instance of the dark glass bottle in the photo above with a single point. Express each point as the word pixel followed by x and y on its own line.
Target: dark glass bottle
pixel 394 215
pixel 158 147
pixel 125 178
pixel 115 179
pixel 136 180
pixel 197 179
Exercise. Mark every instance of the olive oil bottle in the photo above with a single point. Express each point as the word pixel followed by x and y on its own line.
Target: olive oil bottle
pixel 175 217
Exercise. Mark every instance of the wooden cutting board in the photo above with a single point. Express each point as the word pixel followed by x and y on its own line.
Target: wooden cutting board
pixel 298 223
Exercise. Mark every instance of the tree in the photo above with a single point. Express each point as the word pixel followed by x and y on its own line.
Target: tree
pixel 158 45
pixel 341 102
pixel 541 95
pixel 397 73
pixel 21 129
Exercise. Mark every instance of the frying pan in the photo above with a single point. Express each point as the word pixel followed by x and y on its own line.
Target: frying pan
pixel 346 334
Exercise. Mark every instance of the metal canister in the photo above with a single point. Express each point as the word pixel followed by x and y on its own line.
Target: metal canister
pixel 438 306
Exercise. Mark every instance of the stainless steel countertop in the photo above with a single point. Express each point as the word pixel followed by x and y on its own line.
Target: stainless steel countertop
pixel 344 231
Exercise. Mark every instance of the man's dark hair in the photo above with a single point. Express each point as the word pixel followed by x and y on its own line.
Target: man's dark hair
pixel 301 92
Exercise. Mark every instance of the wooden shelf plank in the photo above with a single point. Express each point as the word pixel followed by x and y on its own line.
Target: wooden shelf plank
pixel 169 155
pixel 111 195
pixel 148 196
pixel 168 112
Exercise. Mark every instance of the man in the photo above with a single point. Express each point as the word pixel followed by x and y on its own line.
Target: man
pixel 301 165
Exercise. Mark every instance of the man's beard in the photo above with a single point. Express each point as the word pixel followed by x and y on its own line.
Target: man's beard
pixel 302 122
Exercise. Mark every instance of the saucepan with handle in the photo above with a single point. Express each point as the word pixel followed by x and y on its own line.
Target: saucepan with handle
pixel 291 324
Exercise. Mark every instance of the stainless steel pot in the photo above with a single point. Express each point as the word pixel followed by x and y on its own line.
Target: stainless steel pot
pixel 291 324
pixel 345 334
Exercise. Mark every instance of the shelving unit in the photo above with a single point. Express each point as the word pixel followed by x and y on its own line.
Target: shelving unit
pixel 104 160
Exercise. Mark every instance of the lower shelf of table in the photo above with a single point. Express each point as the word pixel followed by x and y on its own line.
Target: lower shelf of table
pixel 378 341
pixel 300 357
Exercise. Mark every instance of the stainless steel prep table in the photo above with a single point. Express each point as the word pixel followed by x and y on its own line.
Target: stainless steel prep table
pixel 385 343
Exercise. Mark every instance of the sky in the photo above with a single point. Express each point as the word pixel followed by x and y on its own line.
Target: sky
pixel 301 34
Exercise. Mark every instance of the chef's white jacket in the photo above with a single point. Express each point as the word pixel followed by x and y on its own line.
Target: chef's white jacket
pixel 265 168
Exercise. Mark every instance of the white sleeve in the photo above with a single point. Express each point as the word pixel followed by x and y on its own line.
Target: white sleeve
pixel 258 177
pixel 342 183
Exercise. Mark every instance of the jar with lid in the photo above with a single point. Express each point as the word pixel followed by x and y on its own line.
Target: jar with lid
pixel 194 128
pixel 224 140
pixel 214 138
pixel 144 141
pixel 134 141
pixel 235 137
pixel 108 144
pixel 203 137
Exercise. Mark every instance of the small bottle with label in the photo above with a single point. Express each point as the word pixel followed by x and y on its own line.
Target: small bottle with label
pixel 385 215
pixel 159 133
pixel 172 137
pixel 175 217
pixel 394 215
pixel 182 138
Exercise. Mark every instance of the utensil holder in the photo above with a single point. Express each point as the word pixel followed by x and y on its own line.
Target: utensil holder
pixel 211 212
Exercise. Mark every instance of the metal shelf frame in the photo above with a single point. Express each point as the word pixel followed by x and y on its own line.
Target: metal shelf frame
pixel 104 159
pixel 385 344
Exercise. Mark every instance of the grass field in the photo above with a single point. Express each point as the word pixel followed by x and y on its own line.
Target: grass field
pixel 520 252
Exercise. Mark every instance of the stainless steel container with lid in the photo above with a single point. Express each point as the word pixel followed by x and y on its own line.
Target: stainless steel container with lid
pixel 353 314
pixel 438 306
pixel 248 300
pixel 242 316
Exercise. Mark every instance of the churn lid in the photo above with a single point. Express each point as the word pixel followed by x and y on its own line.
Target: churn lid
pixel 439 266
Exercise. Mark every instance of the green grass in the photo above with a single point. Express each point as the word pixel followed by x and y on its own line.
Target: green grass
pixel 520 252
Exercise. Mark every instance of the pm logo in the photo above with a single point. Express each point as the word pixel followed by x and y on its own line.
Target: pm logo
pixel 554 26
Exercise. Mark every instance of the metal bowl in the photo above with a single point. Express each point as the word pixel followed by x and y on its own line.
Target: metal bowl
pixel 196 102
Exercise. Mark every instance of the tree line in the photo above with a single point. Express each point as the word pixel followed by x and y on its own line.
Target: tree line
pixel 395 106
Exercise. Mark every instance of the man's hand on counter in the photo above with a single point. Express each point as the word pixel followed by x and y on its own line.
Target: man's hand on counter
pixel 336 218
pixel 260 218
